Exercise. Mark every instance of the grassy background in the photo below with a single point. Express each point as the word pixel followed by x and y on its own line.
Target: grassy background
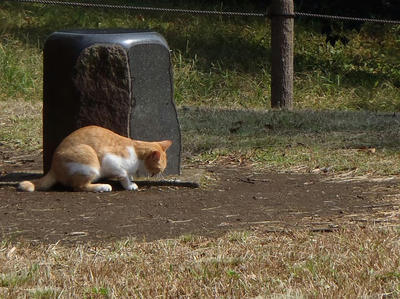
pixel 301 141
pixel 223 64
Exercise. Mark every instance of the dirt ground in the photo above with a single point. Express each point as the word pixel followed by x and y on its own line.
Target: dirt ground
pixel 233 198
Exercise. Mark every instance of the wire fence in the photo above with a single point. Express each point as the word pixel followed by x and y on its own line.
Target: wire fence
pixel 204 12
pixel 342 18
pixel 146 9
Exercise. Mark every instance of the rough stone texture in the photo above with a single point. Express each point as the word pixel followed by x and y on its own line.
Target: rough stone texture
pixel 103 81
pixel 120 80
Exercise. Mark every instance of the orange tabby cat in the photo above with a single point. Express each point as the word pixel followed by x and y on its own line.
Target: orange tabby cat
pixel 92 152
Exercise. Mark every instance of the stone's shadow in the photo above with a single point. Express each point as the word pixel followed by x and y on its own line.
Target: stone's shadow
pixel 188 179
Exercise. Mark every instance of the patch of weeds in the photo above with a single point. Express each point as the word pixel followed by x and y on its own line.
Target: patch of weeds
pixel 19 278
pixel 98 291
pixel 225 261
pixel 4 242
pixel 232 274
pixel 46 293
pixel 238 236
pixel 389 276
pixel 188 238
pixel 121 245
pixel 209 269
pixel 20 125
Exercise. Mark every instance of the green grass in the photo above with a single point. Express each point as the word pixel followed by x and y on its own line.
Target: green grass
pixel 219 62
pixel 345 96
pixel 361 75
pixel 297 141
pixel 18 278
pixel 20 70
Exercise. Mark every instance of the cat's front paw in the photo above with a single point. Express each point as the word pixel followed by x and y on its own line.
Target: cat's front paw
pixel 132 187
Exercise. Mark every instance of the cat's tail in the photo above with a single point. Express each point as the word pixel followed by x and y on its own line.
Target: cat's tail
pixel 42 184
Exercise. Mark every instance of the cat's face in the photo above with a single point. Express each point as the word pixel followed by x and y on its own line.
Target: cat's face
pixel 156 161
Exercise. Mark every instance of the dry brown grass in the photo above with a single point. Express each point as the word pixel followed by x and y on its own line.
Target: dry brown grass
pixel 21 125
pixel 353 262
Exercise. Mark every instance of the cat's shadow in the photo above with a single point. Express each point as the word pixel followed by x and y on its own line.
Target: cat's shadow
pixel 13 178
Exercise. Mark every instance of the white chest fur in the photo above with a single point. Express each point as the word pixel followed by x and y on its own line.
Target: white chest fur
pixel 115 166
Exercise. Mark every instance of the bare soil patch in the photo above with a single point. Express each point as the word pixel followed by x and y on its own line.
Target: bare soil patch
pixel 238 198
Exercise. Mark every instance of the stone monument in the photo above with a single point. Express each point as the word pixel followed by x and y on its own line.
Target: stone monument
pixel 118 79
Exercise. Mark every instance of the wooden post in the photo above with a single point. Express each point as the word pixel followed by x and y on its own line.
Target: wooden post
pixel 282 14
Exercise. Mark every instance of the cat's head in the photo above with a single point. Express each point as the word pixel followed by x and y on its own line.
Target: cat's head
pixel 156 160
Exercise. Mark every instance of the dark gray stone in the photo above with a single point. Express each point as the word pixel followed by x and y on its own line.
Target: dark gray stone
pixel 102 79
pixel 121 80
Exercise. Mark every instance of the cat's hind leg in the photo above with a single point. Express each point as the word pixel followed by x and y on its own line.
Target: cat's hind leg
pixel 82 178
pixel 78 167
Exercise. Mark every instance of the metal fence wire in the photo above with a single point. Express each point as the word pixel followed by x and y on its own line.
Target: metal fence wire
pixel 204 12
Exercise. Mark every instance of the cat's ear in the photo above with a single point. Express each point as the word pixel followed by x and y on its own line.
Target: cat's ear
pixel 165 144
pixel 155 156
